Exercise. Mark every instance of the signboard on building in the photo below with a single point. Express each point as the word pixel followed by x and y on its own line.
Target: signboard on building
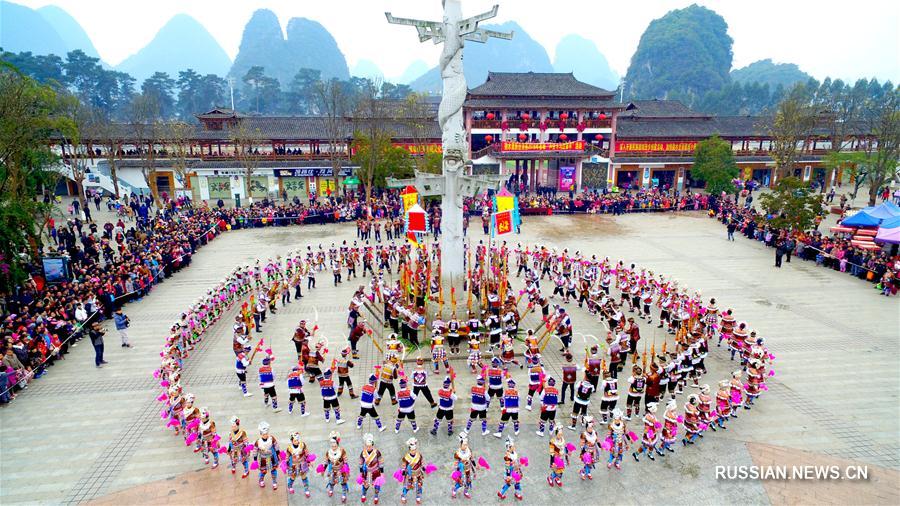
pixel 420 149
pixel 655 146
pixel 312 172
pixel 566 179
pixel 541 146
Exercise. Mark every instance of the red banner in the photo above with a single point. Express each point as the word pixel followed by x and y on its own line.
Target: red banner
pixel 542 146
pixel 655 146
pixel 419 149
pixel 504 222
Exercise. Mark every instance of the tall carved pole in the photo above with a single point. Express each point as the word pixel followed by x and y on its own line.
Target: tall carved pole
pixel 455 148
pixel 452 31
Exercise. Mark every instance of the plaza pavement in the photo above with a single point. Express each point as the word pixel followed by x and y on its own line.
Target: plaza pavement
pixel 82 434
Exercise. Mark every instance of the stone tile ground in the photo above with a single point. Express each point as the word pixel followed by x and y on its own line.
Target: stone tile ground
pixel 81 433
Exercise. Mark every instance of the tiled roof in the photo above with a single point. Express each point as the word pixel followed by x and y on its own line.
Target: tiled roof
pixel 659 109
pixel 537 84
pixel 691 128
pixel 536 103
pixel 690 159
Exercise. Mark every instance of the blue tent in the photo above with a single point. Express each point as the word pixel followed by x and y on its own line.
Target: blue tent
pixel 891 223
pixel 861 219
pixel 883 211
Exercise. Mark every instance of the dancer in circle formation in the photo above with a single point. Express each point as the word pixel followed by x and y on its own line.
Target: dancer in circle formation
pixel 490 357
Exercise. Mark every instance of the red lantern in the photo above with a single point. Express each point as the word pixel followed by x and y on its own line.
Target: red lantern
pixel 599 137
pixel 563 137
pixel 564 116
pixel 526 116
pixel 489 138
pixel 602 115
pixel 522 137
pixel 489 115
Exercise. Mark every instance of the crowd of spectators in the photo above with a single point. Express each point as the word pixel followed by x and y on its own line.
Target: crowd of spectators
pixel 830 251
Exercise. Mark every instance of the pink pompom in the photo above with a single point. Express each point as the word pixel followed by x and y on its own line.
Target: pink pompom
pixel 223 449
pixel 172 423
pixel 247 448
pixel 651 434
pixel 190 439
pixel 524 461
pixel 771 356
pixel 320 468
pixel 360 480
pixel 570 447
pixel 516 476
pixel 283 466
pixel 632 435
pixel 606 444
pixel 194 424
pixel 736 397
pixel 161 397
pixel 156 374
pixel 680 419
pixel 558 462
pixel 483 463
pixel 714 414
pixel 160 354
pixel 657 425
pixel 311 458
pixel 704 426
pixel 772 373
pixel 164 383
pixel 345 468
pixel 269 351
pixel 398 475
pixel 163 414
pixel 282 455
pixel 455 476
pixel 764 387
pixel 746 387
pixel 218 438
pixel 430 468
pixel 587 458
pixel 379 481
pixel 254 465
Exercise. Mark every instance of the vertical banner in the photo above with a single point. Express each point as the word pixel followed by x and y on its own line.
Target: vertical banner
pixel 410 197
pixel 566 179
pixel 503 223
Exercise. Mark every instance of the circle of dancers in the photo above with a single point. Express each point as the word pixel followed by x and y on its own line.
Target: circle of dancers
pixel 493 338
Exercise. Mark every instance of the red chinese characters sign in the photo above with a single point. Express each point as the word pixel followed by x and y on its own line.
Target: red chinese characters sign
pixel 542 146
pixel 419 149
pixel 655 146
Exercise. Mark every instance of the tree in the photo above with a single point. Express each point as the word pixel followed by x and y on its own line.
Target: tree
pixel 419 120
pixel 303 91
pixel 881 115
pixel 179 135
pixel 789 129
pixel 379 160
pixel 838 106
pixel 161 87
pixel 266 90
pixel 146 129
pixel 73 120
pixel 854 164
pixel 188 93
pixel 331 103
pixel 372 138
pixel 245 140
pixel 792 204
pixel 714 164
pixel 110 135
pixel 27 121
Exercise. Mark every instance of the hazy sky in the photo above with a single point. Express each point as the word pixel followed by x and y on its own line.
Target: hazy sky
pixel 842 39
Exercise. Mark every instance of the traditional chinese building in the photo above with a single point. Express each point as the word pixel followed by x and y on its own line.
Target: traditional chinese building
pixel 545 130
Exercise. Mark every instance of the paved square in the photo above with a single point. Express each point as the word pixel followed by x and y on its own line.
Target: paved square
pixel 83 434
